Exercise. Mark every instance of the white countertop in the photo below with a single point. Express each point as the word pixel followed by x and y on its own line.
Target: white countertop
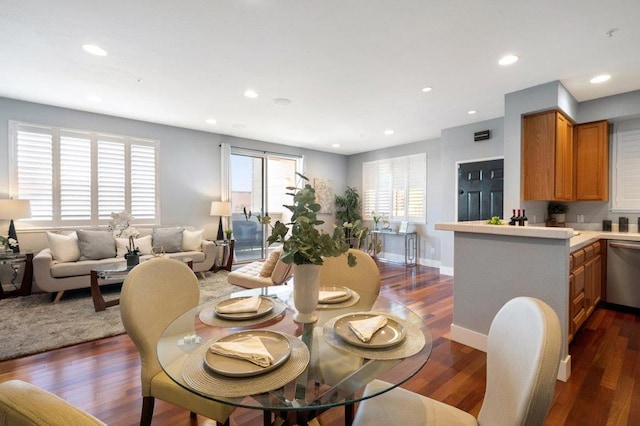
pixel 582 239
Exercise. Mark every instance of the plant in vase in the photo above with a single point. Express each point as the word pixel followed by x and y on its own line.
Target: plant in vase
pixel 304 246
pixel 376 220
pixel 557 212
pixel 8 243
pixel 228 232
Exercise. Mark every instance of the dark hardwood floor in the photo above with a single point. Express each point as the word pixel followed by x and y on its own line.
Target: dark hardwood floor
pixel 102 377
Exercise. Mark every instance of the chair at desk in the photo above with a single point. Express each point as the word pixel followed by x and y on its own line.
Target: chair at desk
pixel 154 294
pixel 523 356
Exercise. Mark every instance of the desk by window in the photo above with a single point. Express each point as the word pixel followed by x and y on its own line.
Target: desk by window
pixel 410 244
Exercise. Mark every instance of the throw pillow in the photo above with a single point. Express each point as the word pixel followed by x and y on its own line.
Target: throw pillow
pixel 96 245
pixel 270 263
pixel 64 248
pixel 281 272
pixel 143 243
pixel 191 240
pixel 169 238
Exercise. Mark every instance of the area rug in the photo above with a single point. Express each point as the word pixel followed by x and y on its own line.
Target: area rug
pixel 33 324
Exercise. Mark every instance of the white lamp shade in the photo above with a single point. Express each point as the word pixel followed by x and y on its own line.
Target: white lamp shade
pixel 15 209
pixel 220 208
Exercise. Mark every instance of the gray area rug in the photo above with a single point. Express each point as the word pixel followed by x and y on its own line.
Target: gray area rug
pixel 33 324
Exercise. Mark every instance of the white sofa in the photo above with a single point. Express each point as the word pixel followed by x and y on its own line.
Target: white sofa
pixel 272 271
pixel 58 273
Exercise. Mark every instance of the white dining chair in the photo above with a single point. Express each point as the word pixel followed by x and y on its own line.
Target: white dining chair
pixel 365 276
pixel 154 294
pixel 523 356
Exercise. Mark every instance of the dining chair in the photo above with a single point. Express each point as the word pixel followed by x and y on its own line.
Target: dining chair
pixel 154 294
pixel 365 276
pixel 523 356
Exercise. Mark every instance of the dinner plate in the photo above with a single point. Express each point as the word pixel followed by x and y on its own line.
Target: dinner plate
pixel 336 299
pixel 266 305
pixel 276 343
pixel 391 334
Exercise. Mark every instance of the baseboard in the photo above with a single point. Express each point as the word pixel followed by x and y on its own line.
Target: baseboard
pixel 429 262
pixel 479 341
pixel 446 270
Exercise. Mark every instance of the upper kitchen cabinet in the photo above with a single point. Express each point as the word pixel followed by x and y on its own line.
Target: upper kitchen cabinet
pixel 547 157
pixel 592 161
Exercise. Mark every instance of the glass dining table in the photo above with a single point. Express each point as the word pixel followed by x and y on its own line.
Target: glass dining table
pixel 323 369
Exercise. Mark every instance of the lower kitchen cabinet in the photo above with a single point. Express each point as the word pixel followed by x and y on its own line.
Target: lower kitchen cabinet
pixel 585 282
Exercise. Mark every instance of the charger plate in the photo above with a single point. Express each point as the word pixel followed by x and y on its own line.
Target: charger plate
pixel 208 316
pixel 266 306
pixel 276 343
pixel 391 334
pixel 413 342
pixel 198 376
pixel 339 299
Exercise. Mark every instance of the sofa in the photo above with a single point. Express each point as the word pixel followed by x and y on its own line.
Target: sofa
pixel 67 262
pixel 272 271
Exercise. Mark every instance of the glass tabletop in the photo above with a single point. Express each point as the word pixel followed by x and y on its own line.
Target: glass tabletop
pixel 336 372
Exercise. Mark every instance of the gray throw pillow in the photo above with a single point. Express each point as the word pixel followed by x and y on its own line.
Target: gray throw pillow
pixel 169 238
pixel 96 244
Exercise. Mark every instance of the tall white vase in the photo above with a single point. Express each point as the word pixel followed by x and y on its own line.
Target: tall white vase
pixel 306 286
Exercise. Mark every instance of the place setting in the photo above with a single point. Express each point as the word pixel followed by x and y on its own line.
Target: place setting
pixel 241 311
pixel 336 297
pixel 246 362
pixel 374 335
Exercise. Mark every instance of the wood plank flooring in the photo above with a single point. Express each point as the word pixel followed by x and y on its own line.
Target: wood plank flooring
pixel 102 377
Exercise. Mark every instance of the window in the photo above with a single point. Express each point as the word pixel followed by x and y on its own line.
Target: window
pixel 396 188
pixel 75 177
pixel 626 168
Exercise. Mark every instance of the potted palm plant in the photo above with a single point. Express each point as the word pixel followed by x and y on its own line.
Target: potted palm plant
pixel 305 245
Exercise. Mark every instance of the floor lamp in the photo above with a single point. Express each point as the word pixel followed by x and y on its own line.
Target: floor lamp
pixel 14 209
pixel 220 208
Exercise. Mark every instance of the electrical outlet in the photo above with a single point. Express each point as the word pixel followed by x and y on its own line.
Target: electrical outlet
pixel 580 218
pixel 433 251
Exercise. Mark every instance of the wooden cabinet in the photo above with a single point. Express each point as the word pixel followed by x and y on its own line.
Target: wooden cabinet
pixel 547 153
pixel 585 285
pixel 563 162
pixel 592 161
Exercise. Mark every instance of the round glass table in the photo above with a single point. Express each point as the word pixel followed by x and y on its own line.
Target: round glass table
pixel 333 373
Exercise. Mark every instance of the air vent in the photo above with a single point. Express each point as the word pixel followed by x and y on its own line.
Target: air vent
pixel 482 135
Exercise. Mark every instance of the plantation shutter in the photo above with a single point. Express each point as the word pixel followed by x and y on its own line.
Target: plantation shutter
pixel 75 177
pixel 626 183
pixel 143 181
pixel 111 178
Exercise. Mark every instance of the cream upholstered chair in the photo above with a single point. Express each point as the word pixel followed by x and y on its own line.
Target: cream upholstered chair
pixel 365 276
pixel 154 294
pixel 22 403
pixel 523 355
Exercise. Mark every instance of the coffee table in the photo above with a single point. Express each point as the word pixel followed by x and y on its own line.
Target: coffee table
pixel 113 273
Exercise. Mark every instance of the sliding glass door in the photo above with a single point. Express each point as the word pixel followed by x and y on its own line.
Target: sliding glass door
pixel 258 186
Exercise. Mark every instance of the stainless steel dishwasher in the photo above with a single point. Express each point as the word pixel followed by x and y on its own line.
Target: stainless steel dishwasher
pixel 623 273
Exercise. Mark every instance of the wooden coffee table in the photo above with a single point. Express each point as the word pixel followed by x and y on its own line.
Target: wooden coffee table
pixel 113 273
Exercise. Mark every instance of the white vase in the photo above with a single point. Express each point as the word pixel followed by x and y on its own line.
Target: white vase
pixel 306 286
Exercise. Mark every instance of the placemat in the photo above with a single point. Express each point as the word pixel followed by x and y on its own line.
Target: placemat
pixel 207 315
pixel 413 342
pixel 349 302
pixel 200 378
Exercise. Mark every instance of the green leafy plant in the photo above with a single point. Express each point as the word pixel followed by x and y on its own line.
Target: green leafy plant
pixel 495 220
pixel 557 208
pixel 348 206
pixel 302 242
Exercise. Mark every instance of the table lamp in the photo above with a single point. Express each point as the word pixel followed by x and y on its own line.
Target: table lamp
pixel 220 208
pixel 14 209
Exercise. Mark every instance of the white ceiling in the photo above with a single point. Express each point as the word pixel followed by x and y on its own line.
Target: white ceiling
pixel 352 68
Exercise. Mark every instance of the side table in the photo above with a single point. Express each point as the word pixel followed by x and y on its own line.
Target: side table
pixel 227 255
pixel 17 262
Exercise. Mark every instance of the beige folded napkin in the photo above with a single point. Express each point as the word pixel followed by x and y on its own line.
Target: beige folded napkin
pixel 328 295
pixel 366 328
pixel 250 349
pixel 250 304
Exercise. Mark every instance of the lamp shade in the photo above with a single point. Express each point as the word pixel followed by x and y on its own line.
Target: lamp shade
pixel 15 209
pixel 220 208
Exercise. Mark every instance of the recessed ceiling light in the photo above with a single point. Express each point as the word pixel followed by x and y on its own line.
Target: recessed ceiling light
pixel 211 121
pixel 600 78
pixel 388 132
pixel 94 50
pixel 282 101
pixel 251 93
pixel 508 60
pixel 335 145
pixel 427 89
pixel 473 111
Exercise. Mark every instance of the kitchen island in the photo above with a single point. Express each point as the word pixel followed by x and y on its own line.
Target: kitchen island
pixel 495 263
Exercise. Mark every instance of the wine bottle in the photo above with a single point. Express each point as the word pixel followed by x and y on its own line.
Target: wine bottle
pixel 519 219
pixel 512 221
pixel 524 221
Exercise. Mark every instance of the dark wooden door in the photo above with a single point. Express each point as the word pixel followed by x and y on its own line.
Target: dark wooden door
pixel 480 190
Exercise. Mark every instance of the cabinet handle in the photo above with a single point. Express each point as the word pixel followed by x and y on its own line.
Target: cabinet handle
pixel 625 246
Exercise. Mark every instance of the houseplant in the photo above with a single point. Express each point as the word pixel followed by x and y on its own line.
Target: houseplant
pixel 304 246
pixel 348 208
pixel 557 212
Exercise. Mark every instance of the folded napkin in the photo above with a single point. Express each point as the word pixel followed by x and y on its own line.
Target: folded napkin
pixel 250 304
pixel 250 349
pixel 366 328
pixel 327 296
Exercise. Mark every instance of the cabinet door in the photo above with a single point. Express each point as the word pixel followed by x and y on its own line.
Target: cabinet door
pixel 564 159
pixel 538 156
pixel 596 280
pixel 592 161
